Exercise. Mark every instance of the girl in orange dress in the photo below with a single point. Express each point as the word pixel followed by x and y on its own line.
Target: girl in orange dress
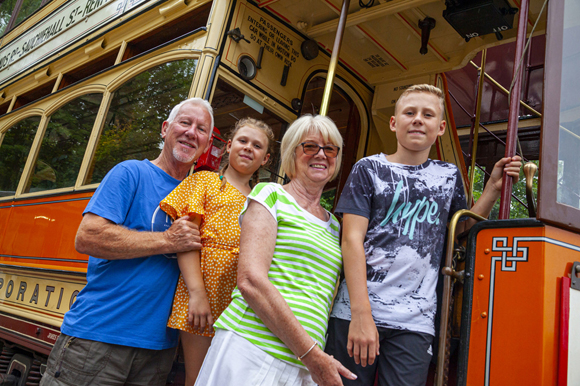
pixel 214 202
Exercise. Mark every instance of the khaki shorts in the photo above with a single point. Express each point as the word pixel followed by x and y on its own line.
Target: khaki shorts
pixel 78 362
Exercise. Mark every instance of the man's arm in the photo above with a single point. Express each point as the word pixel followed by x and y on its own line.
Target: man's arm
pixel 102 238
pixel 492 191
pixel 363 337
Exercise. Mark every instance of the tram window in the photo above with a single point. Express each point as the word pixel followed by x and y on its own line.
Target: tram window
pixel 132 128
pixel 568 192
pixel 34 94
pixel 64 144
pixel 27 8
pixel 191 21
pixel 6 9
pixel 89 69
pixel 14 150
pixel 229 107
pixel 14 12
pixel 4 107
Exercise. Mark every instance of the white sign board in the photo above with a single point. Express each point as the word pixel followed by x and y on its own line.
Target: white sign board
pixel 69 23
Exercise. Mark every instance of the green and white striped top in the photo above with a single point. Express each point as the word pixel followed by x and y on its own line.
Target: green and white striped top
pixel 305 267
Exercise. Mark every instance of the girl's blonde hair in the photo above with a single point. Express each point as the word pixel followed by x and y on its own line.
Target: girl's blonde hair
pixel 308 124
pixel 255 124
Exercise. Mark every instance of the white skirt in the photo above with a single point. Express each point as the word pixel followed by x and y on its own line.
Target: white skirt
pixel 233 360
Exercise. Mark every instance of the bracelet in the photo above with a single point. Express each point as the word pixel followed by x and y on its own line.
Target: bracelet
pixel 307 352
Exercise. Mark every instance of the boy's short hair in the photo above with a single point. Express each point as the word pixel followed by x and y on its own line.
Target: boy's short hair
pixel 424 88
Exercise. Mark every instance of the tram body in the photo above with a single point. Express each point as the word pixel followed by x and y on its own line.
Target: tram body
pixel 85 84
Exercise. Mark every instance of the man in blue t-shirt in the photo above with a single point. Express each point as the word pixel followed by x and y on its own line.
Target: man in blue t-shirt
pixel 115 333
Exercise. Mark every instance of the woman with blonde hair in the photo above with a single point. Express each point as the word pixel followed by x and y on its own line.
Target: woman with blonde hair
pixel 273 332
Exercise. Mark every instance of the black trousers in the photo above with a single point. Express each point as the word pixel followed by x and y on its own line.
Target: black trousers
pixel 403 360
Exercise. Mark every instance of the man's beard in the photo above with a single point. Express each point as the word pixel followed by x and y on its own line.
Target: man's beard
pixel 184 158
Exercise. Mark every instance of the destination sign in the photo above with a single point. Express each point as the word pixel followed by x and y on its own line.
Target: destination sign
pixel 65 26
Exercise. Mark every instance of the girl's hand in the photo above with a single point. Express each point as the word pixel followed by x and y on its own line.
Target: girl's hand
pixel 199 311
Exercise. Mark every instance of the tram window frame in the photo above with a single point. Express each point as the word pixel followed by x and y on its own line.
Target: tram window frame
pixel 24 165
pixel 549 209
pixel 111 79
pixel 88 172
pixel 42 146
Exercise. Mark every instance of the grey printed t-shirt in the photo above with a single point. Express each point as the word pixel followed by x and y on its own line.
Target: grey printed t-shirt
pixel 408 208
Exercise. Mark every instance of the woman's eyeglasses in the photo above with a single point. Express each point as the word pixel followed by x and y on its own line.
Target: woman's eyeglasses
pixel 312 148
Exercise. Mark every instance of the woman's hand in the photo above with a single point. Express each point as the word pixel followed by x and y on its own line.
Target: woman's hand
pixel 324 369
pixel 199 311
pixel 363 339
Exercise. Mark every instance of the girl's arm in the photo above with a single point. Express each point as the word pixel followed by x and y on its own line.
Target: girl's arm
pixel 199 311
pixel 257 244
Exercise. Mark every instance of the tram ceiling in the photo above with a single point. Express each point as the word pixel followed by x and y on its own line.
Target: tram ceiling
pixel 381 43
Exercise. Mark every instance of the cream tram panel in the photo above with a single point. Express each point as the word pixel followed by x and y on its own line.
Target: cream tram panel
pixel 39 297
pixel 281 48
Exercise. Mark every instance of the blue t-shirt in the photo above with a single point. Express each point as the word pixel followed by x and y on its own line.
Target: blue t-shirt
pixel 128 302
pixel 408 208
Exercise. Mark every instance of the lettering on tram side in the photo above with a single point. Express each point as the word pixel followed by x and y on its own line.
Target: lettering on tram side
pixel 35 293
pixel 53 29
pixel 275 41
pixel 60 29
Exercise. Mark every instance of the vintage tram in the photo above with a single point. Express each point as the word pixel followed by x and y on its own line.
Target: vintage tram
pixel 85 84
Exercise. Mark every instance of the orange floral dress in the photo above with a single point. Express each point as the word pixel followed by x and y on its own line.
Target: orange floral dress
pixel 220 237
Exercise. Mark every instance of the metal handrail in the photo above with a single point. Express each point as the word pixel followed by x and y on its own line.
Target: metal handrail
pixel 334 58
pixel 475 126
pixel 448 274
pixel 488 174
pixel 505 90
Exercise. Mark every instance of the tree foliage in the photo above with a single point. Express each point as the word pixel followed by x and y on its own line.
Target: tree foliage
pixel 64 144
pixel 6 9
pixel 13 153
pixel 27 9
pixel 517 209
pixel 132 128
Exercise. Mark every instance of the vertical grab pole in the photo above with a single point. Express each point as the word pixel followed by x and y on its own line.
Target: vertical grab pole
pixel 334 58
pixel 476 127
pixel 513 119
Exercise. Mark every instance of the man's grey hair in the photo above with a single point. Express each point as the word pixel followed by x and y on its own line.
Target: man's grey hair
pixel 194 101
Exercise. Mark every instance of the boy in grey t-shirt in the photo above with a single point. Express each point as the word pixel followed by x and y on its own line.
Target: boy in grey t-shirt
pixel 396 208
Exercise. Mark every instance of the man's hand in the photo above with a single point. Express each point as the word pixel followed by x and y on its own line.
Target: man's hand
pixel 199 311
pixel 324 369
pixel 102 238
pixel 509 165
pixel 183 235
pixel 363 339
